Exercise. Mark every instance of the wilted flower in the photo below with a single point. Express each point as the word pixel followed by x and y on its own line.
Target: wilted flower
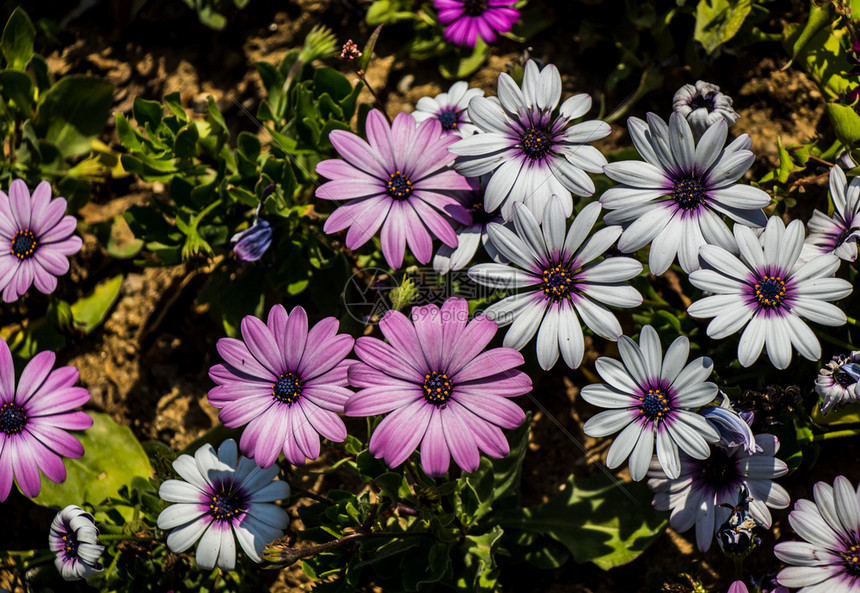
pixel 676 199
pixel 651 398
pixel 766 292
pixel 443 391
pixel 703 105
pixel 252 243
pixel 451 109
pixel 837 382
pixel 34 418
pixel 829 559
pixel 556 282
pixel 220 495
pixel 705 490
pixel 737 535
pixel 733 429
pixel 469 236
pixel 39 239
pixel 286 383
pixel 837 234
pixel 530 147
pixel 393 181
pixel 466 20
pixel 74 541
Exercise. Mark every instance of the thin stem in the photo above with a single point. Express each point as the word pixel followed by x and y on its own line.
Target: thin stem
pixel 739 567
pixel 376 99
pixel 836 434
pixel 828 338
pixel 851 320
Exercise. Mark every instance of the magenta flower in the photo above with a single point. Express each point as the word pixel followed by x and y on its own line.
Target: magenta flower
pixel 286 383
pixel 397 181
pixel 443 391
pixel 466 20
pixel 34 419
pixel 39 238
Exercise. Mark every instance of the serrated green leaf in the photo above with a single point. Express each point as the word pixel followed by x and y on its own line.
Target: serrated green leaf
pixel 717 21
pixel 596 520
pixel 17 41
pixel 112 458
pixel 90 311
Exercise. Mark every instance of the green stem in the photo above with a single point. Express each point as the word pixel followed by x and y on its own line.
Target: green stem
pixel 836 434
pixel 739 567
pixel 119 537
pixel 828 338
pixel 851 320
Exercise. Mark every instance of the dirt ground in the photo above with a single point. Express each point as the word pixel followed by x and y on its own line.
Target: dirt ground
pixel 147 366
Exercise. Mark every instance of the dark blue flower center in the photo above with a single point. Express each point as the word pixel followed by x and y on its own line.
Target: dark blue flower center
pixel 450 119
pixel 557 282
pixel 706 101
pixel 437 388
pixel 851 555
pixel 398 186
pixel 536 142
pixel 477 211
pixel 23 244
pixel 689 193
pixel 769 292
pixel 843 378
pixel 226 504
pixel 70 545
pixel 655 405
pixel 718 470
pixel 474 7
pixel 287 389
pixel 840 238
pixel 12 418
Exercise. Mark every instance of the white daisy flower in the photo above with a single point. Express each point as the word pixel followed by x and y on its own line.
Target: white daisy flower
pixel 837 382
pixel 828 561
pixel 651 397
pixel 706 489
pixel 678 196
pixel 837 234
pixel 531 150
pixel 74 540
pixel 451 109
pixel 220 495
pixel 765 291
pixel 703 105
pixel 469 236
pixel 553 281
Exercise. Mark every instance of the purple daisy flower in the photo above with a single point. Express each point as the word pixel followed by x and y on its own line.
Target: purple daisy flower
pixel 34 418
pixel 451 109
pixel 443 390
pixel 469 236
pixel 530 144
pixel 829 560
pixel 220 495
pixel 766 292
pixel 555 282
pixel 286 383
pixel 39 238
pixel 74 540
pixel 837 382
pixel 397 181
pixel 837 234
pixel 706 489
pixel 676 199
pixel 466 20
pixel 651 397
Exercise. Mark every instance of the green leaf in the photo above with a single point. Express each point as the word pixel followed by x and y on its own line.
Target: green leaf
pixel 596 520
pixel 185 145
pixel 459 64
pixel 112 458
pixel 367 53
pixel 18 87
pixel 73 112
pixel 797 39
pixel 147 112
pixel 327 80
pixel 846 122
pixel 717 21
pixel 508 470
pixel 17 41
pixel 90 311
